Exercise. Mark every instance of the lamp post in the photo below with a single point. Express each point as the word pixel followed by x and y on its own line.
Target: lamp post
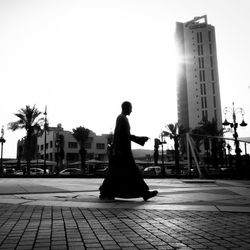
pixel 162 155
pixel 45 139
pixel 2 141
pixel 234 124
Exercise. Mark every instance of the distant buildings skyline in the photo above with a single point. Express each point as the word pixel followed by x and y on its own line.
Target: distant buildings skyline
pixel 198 90
pixel 61 145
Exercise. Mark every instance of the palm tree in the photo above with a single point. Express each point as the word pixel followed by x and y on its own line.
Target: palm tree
pixel 174 130
pixel 30 121
pixel 81 134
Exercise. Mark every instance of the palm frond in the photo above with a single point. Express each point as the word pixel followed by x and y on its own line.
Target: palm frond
pixel 81 134
pixel 166 133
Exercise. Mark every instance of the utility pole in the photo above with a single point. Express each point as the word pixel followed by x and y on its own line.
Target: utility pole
pixel 2 141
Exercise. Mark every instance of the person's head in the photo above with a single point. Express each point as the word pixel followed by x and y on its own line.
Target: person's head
pixel 126 108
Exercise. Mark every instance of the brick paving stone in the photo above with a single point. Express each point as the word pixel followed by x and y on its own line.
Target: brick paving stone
pixel 59 247
pixel 126 244
pixel 93 245
pixel 76 248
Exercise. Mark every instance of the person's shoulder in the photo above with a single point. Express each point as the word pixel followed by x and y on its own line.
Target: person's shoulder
pixel 121 118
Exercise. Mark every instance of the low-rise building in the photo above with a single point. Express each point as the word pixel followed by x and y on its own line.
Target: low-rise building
pixel 60 145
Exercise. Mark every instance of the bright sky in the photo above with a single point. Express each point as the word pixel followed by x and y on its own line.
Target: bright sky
pixel 84 58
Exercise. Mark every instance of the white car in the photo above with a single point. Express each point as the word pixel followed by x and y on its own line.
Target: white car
pixel 70 171
pixel 8 171
pixel 33 171
pixel 36 171
pixel 18 172
pixel 152 171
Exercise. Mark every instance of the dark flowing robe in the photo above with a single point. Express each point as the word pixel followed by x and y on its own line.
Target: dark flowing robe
pixel 123 179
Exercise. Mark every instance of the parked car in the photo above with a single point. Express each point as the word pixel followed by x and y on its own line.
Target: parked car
pixel 70 171
pixel 18 172
pixel 33 171
pixel 36 171
pixel 101 171
pixel 152 171
pixel 8 171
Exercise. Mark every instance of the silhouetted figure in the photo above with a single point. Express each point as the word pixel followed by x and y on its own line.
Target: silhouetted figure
pixel 124 179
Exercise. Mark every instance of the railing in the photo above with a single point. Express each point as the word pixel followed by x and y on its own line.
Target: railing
pixel 214 156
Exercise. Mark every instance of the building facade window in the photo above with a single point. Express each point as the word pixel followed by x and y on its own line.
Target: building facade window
pixel 211 62
pixel 212 74
pixel 72 157
pixel 199 37
pixel 200 50
pixel 204 89
pixel 204 115
pixel 201 62
pixel 215 115
pixel 205 102
pixel 213 87
pixel 51 144
pixel 209 36
pixel 214 101
pixel 72 144
pixel 100 146
pixel 202 76
pixel 210 49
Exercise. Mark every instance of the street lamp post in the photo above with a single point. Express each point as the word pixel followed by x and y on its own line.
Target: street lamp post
pixel 234 124
pixel 45 139
pixel 162 155
pixel 2 141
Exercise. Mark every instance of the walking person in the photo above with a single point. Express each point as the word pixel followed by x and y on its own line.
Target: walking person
pixel 124 179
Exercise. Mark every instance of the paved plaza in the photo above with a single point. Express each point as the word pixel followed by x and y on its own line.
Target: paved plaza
pixel 66 213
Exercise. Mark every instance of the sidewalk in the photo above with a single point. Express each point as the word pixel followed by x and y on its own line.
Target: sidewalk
pixel 40 213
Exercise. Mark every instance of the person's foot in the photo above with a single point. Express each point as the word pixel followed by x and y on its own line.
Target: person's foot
pixel 106 197
pixel 149 195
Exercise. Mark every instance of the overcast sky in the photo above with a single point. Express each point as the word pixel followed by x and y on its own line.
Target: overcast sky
pixel 84 58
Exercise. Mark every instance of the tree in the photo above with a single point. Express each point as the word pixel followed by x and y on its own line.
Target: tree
pixel 81 135
pixel 174 130
pixel 30 121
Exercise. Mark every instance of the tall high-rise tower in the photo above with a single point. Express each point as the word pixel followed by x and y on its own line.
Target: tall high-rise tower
pixel 198 93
